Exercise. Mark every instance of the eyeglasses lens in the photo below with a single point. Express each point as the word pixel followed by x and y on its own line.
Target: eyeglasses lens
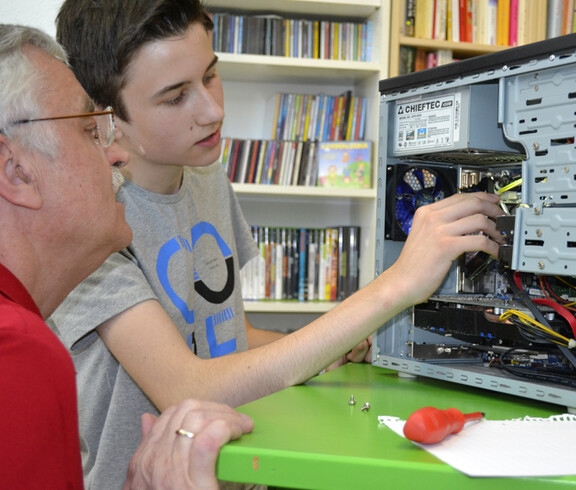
pixel 106 130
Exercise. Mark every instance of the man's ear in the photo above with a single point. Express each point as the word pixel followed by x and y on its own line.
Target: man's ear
pixel 18 183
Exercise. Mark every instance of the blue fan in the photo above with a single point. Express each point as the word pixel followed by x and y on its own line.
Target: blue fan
pixel 417 187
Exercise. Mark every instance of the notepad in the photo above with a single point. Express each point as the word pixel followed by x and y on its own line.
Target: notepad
pixel 506 448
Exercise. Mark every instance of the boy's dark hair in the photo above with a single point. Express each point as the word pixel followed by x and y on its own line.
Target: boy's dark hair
pixel 103 36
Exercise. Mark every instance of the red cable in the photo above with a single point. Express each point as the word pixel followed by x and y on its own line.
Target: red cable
pixel 548 291
pixel 561 310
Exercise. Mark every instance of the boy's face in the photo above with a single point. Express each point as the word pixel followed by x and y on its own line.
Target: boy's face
pixel 174 99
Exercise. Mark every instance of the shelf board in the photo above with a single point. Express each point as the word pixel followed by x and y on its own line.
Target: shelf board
pixel 345 8
pixel 250 67
pixel 303 191
pixel 469 49
pixel 288 306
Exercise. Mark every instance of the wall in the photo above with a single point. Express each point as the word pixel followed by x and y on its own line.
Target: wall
pixel 35 13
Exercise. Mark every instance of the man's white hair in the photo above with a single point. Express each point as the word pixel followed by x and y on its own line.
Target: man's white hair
pixel 22 86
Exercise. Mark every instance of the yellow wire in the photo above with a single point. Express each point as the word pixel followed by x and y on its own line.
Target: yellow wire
pixel 528 320
pixel 571 286
pixel 511 185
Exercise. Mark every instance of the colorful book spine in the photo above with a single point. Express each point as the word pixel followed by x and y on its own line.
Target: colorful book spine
pixel 503 23
pixel 513 32
pixel 409 18
pixel 304 264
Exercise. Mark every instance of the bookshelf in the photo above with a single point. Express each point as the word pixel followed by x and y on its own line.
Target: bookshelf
pixel 398 39
pixel 251 83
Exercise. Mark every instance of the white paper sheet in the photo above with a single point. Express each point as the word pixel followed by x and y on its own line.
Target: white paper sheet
pixel 506 448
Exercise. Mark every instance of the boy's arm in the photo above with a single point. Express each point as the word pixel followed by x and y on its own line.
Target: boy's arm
pixel 257 336
pixel 157 357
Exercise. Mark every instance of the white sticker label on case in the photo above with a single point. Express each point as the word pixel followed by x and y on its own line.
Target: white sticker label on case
pixel 425 124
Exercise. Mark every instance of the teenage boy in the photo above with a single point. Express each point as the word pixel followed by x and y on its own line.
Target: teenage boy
pixel 60 220
pixel 163 320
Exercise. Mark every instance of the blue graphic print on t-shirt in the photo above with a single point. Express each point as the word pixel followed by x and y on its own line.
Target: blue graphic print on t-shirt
pixel 177 244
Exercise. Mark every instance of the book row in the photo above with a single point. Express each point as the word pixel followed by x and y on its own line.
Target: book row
pixel 305 163
pixel 561 19
pixel 270 161
pixel 492 22
pixel 273 35
pixel 415 59
pixel 320 117
pixel 304 264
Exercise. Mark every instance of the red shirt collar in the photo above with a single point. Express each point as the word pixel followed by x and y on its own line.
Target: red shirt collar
pixel 12 288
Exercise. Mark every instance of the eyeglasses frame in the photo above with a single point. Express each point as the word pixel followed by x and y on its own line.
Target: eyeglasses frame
pixel 107 111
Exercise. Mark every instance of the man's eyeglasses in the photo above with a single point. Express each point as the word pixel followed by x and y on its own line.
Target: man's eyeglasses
pixel 104 130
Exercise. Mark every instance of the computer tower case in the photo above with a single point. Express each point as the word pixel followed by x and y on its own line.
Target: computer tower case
pixel 502 123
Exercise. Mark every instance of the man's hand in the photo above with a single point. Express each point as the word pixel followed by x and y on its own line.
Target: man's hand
pixel 167 460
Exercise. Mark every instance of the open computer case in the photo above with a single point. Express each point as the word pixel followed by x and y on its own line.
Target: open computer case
pixel 503 123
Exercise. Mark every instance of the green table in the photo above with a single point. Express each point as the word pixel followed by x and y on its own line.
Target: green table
pixel 309 436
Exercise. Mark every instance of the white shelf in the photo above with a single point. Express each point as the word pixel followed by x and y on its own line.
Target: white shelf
pixel 248 67
pixel 251 83
pixel 346 8
pixel 302 191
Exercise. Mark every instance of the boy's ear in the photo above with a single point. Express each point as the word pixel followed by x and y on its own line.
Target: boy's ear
pixel 18 183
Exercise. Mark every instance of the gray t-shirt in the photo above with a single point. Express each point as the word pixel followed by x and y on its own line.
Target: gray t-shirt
pixel 186 252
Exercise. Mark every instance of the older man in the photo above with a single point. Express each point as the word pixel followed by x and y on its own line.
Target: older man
pixel 59 220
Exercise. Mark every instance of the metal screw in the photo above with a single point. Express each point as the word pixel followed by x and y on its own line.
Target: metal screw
pixel 352 401
pixel 366 407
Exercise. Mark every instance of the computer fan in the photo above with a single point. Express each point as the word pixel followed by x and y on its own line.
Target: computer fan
pixel 410 187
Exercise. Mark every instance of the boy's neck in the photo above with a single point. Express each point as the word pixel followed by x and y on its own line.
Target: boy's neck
pixel 161 179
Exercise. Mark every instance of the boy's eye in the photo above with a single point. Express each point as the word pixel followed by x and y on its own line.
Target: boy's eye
pixel 210 76
pixel 176 100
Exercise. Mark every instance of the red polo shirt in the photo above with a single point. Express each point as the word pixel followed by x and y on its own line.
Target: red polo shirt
pixel 39 439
